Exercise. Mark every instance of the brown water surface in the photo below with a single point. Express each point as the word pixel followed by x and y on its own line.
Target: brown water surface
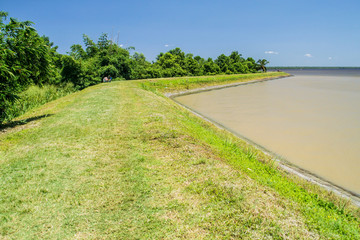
pixel 313 121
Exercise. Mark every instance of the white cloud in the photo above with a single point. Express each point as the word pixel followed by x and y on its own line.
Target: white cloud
pixel 166 45
pixel 330 58
pixel 121 45
pixel 271 52
pixel 308 55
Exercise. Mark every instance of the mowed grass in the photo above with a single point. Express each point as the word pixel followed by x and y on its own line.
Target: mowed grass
pixel 115 161
pixel 186 83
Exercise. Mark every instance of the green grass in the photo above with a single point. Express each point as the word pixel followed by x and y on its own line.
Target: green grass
pixel 115 161
pixel 36 96
pixel 186 83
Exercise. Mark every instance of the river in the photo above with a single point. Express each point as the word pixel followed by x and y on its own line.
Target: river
pixel 311 119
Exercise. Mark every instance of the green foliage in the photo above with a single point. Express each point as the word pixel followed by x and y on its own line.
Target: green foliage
pixel 71 69
pixel 77 52
pixel 176 63
pixel 192 67
pixel 104 58
pixel 211 68
pixel 91 48
pixel 140 67
pixel 262 63
pixel 81 74
pixel 25 58
pixel 109 70
pixel 36 96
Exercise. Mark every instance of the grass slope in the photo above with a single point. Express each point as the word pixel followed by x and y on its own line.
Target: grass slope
pixel 116 161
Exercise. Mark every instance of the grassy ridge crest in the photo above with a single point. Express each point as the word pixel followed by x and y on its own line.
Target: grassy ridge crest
pixel 116 161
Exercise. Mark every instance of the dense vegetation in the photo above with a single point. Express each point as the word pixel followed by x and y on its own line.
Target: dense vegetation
pixel 29 59
pixel 306 67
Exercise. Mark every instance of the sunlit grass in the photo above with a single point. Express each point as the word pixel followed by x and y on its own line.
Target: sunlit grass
pixel 115 161
pixel 186 83
pixel 36 96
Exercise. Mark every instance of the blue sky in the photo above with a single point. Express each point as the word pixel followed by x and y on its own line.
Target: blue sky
pixel 287 33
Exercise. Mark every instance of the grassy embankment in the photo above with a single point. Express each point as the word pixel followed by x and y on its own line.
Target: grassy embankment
pixel 116 161
pixel 36 96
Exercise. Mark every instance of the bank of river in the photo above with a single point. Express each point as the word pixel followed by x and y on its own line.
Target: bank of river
pixel 121 161
pixel 310 119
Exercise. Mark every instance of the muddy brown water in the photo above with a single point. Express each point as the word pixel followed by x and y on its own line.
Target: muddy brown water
pixel 311 119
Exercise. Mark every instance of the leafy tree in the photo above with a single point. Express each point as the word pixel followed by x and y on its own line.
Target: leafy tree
pixel 24 59
pixel 236 57
pixel 179 56
pixel 223 62
pixel 81 73
pixel 153 72
pixel 91 48
pixel 191 66
pixel 239 67
pixel 55 63
pixel 103 42
pixel 71 70
pixel 78 52
pixel 211 68
pixel 262 63
pixel 170 64
pixel 102 58
pixel 167 60
pixel 140 67
pixel 200 60
pixel 109 70
pixel 251 65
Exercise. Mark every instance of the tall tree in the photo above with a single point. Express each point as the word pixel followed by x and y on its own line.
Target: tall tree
pixel 262 63
pixel 211 68
pixel 24 59
pixel 223 62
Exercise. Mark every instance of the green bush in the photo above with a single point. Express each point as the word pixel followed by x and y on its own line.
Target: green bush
pixel 109 70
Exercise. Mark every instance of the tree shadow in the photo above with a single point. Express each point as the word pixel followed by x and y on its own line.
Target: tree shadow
pixel 13 124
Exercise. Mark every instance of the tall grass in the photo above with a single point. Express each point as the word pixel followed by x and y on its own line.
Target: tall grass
pixel 36 96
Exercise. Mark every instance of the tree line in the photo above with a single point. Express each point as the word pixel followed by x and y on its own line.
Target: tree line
pixel 26 58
